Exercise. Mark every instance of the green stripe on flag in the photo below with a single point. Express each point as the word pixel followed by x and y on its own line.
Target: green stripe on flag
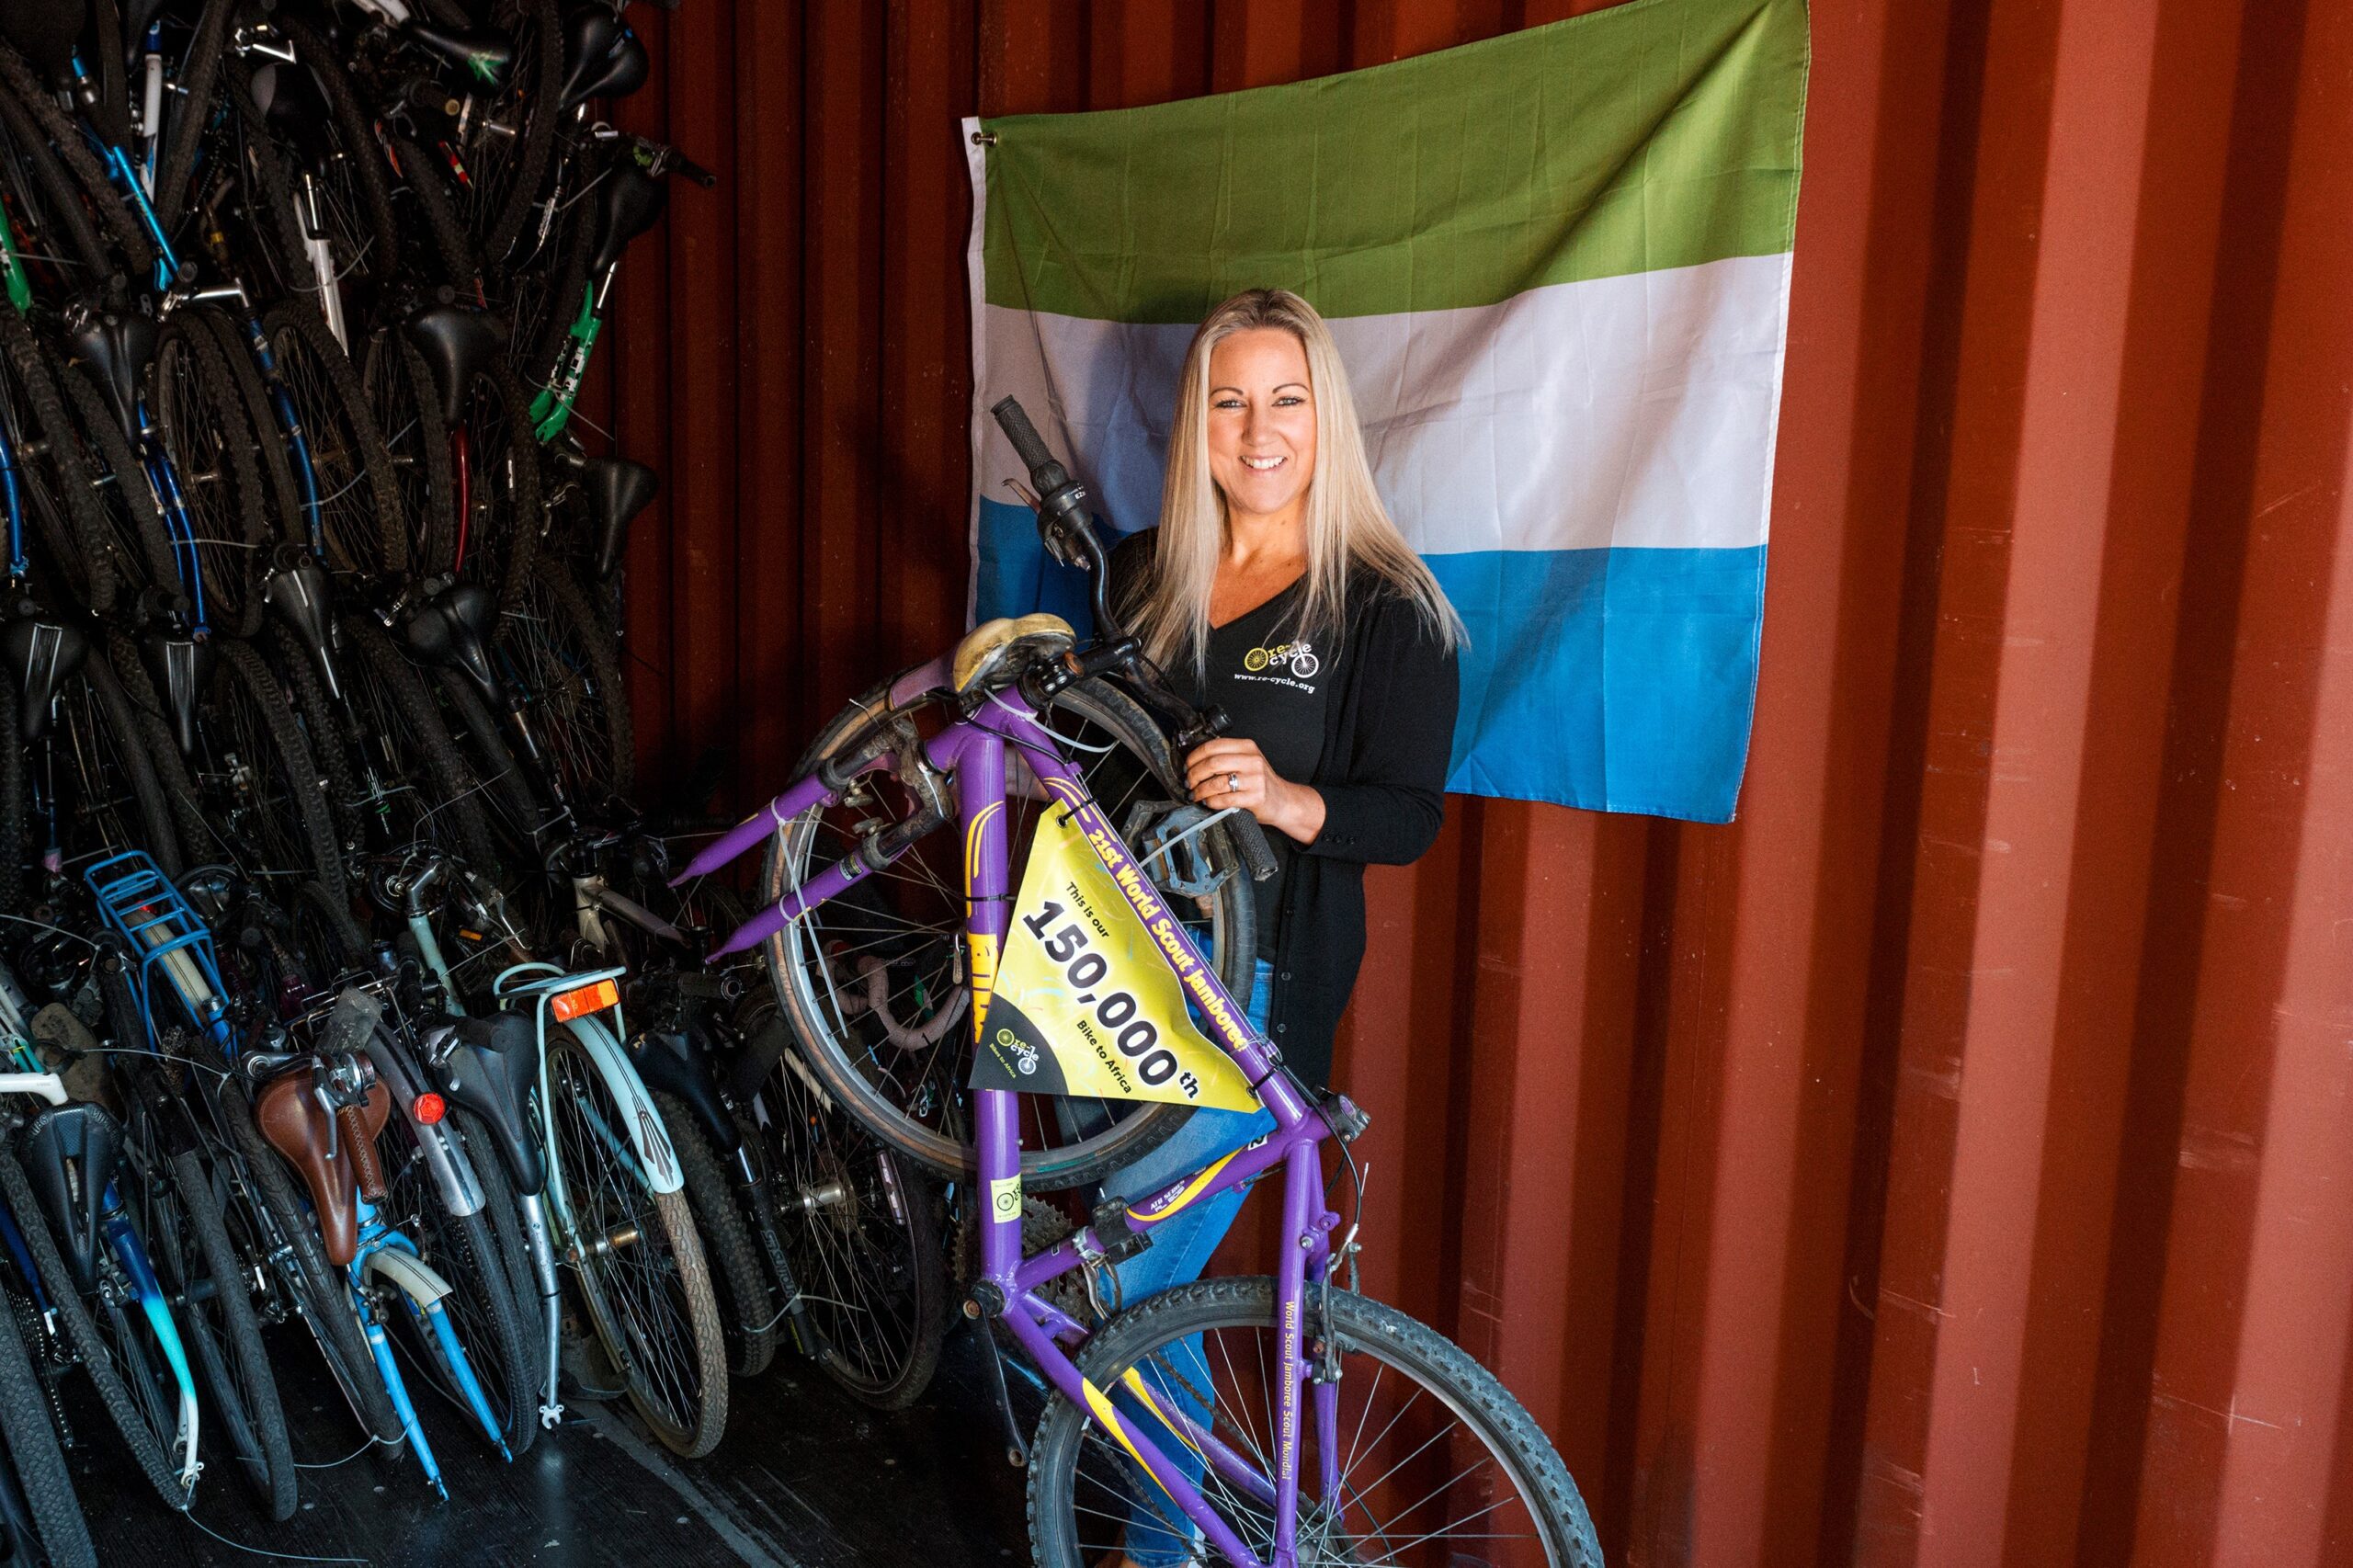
pixel 1668 129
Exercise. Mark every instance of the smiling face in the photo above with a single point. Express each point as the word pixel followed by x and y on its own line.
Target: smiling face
pixel 1261 422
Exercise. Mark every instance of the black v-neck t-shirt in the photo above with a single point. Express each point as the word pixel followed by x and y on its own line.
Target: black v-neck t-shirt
pixel 1273 682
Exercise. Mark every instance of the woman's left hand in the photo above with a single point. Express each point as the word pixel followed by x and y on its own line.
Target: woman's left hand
pixel 1231 771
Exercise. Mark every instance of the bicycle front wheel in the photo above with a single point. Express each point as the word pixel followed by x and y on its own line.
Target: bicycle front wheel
pixel 874 981
pixel 639 1261
pixel 1434 1461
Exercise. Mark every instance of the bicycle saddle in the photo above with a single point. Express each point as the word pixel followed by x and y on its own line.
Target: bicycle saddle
pixel 485 57
pixel 453 628
pixel 490 1066
pixel 602 59
pixel 631 202
pixel 298 1127
pixel 43 654
pixel 458 346
pixel 72 1194
pixel 115 349
pixel 295 109
pixel 298 590
pixel 617 491
pixel 181 668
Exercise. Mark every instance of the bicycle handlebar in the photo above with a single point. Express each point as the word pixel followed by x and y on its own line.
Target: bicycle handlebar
pixel 1068 532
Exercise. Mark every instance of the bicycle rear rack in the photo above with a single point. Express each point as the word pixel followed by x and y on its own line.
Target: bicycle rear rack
pixel 143 906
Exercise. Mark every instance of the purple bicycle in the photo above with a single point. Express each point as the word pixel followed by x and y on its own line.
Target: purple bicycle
pixel 1281 1421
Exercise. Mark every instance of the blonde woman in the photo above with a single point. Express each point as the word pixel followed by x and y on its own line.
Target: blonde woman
pixel 1276 587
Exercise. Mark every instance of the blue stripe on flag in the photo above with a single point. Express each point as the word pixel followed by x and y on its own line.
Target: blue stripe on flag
pixel 1616 680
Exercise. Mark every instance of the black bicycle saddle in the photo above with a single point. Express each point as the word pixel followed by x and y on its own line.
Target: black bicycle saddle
pixel 633 199
pixel 453 628
pixel 458 346
pixel 295 107
pixel 43 654
pixel 116 349
pixel 601 57
pixel 485 57
pixel 617 491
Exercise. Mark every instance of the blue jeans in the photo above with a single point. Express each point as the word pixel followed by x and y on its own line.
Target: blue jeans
pixel 1181 1248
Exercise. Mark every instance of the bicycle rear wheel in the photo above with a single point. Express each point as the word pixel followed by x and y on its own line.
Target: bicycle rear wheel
pixel 204 1277
pixel 638 1259
pixel 1437 1463
pixel 255 770
pixel 215 456
pixel 462 1249
pixel 861 1231
pixel 869 980
pixel 359 495
pixel 125 1366
pixel 563 657
pixel 33 1453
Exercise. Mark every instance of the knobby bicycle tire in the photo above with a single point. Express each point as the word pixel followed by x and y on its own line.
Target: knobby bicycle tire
pixel 107 724
pixel 191 837
pixel 1087 1157
pixel 110 473
pixel 323 727
pixel 192 95
pixel 76 539
pixel 282 495
pixel 50 219
pixel 1411 1350
pixel 231 1353
pixel 360 496
pixel 15 810
pixel 295 806
pixel 539 23
pixel 513 808
pixel 463 1250
pixel 747 1313
pixel 356 149
pixel 216 454
pixel 114 213
pixel 449 250
pixel 568 661
pixel 435 770
pixel 81 1333
pixel 40 1463
pixel 500 1202
pixel 408 412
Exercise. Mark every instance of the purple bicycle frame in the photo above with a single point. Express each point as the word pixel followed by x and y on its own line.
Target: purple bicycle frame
pixel 972 751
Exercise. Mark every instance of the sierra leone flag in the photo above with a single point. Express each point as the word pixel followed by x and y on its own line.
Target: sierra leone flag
pixel 1557 264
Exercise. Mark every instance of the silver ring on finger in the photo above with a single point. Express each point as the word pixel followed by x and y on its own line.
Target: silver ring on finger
pixel 1233 783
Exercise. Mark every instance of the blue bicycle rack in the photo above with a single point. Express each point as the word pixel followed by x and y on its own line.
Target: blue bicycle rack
pixel 156 919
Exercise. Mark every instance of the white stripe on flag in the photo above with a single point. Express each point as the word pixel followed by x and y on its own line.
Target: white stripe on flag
pixel 1636 410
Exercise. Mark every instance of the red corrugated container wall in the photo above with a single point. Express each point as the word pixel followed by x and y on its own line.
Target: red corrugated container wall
pixel 1947 1163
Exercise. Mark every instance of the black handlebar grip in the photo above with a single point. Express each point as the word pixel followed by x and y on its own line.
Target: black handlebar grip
pixel 1257 855
pixel 1028 446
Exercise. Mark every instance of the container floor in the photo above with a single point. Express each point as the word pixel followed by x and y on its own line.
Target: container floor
pixel 805 1478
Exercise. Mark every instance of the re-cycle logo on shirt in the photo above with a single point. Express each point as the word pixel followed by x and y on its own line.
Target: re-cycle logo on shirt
pixel 1298 657
pixel 1083 1004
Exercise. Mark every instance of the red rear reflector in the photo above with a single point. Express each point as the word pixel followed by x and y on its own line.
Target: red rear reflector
pixel 429 1108
pixel 570 1004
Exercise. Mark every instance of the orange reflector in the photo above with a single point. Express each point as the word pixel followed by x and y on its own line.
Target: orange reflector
pixel 570 1004
pixel 429 1108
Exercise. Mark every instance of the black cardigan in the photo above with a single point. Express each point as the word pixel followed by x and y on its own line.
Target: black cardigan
pixel 1388 734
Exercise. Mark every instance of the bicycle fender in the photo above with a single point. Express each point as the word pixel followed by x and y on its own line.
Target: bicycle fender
pixel 487 1069
pixel 643 1122
pixel 407 1273
pixel 674 1063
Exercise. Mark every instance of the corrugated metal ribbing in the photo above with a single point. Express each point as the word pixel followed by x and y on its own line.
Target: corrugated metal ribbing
pixel 1948 1162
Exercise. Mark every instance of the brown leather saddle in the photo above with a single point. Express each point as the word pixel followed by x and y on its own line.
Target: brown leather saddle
pixel 298 1127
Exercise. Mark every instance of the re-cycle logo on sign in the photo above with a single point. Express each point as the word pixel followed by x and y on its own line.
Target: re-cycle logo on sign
pixel 1083 1005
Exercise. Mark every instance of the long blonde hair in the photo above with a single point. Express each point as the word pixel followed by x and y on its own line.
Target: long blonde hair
pixel 1348 526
